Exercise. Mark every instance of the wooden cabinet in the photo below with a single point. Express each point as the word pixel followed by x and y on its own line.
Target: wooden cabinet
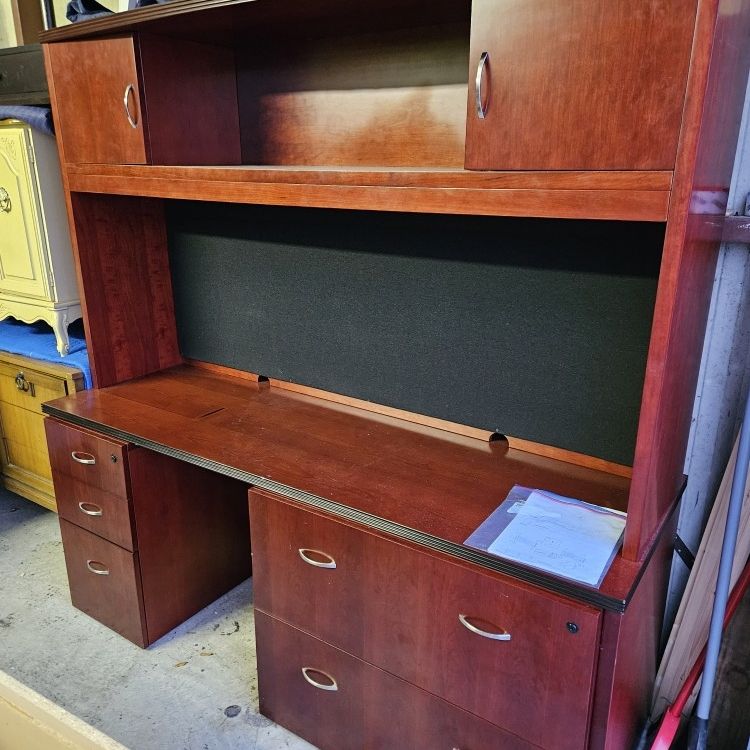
pixel 37 275
pixel 148 542
pixel 24 385
pixel 102 115
pixel 455 632
pixel 577 85
pixel 149 102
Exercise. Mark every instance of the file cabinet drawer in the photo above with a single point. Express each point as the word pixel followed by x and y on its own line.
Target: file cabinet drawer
pixel 95 510
pixel 104 582
pixel 341 703
pixel 88 457
pixel 497 648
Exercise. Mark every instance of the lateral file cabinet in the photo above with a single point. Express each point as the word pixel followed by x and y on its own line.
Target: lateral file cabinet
pixel 483 643
pixel 37 274
pixel 148 541
pixel 25 384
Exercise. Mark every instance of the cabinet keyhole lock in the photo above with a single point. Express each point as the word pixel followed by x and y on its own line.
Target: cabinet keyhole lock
pixel 572 627
pixel 113 458
pixel 24 385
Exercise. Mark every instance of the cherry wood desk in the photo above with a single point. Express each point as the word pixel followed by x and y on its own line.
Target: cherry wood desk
pixel 330 480
pixel 617 115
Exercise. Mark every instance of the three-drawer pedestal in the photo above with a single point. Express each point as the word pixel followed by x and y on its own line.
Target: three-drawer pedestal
pixel 148 540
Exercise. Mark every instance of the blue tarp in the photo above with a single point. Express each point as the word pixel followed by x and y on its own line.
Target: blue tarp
pixel 39 118
pixel 37 340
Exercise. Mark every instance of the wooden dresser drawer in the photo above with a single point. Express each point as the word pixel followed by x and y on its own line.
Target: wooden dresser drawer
pixel 24 441
pixel 25 384
pixel 431 621
pixel 104 582
pixel 368 708
pixel 106 515
pixel 88 457
pixel 28 388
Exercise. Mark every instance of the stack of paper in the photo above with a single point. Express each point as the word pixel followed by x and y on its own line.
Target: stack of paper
pixel 560 535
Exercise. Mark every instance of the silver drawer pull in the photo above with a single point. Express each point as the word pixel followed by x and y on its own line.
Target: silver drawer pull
pixel 480 105
pixel 305 555
pixel 320 685
pixel 83 458
pixel 502 636
pixel 129 89
pixel 97 567
pixel 90 509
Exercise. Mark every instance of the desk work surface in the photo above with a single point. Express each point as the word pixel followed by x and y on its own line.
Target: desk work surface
pixel 424 486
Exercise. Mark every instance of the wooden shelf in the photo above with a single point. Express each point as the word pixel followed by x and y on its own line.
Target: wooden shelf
pixel 625 196
pixel 346 461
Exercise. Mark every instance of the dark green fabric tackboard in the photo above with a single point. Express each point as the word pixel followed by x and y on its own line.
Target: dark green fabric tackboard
pixel 533 328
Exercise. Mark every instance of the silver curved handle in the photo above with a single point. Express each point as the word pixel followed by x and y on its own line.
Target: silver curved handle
pixel 481 107
pixel 501 636
pixel 101 570
pixel 83 458
pixel 96 512
pixel 129 89
pixel 305 555
pixel 320 685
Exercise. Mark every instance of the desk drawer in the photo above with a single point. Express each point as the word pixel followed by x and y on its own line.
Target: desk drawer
pixel 416 614
pixel 104 581
pixel 88 457
pixel 100 512
pixel 368 709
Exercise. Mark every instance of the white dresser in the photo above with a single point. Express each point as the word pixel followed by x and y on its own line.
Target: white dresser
pixel 37 276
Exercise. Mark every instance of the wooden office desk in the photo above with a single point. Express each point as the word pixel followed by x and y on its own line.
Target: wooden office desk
pixel 621 117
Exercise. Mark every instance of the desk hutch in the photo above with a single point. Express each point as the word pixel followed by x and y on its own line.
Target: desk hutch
pixel 378 262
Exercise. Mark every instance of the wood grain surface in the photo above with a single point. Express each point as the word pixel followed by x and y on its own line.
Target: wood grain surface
pixel 386 99
pixel 191 183
pixel 366 461
pixel 193 537
pixel 580 85
pixel 408 624
pixel 76 501
pixel 121 248
pixel 114 598
pixel 370 708
pixel 190 98
pixel 90 114
pixel 109 470
pixel 716 87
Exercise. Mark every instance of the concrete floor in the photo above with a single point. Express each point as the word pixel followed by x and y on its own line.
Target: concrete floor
pixel 195 689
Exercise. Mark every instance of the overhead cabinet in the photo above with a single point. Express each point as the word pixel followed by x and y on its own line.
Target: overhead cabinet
pixel 551 86
pixel 146 100
pixel 577 85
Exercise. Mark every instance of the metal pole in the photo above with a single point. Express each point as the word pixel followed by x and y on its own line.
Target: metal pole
pixel 699 724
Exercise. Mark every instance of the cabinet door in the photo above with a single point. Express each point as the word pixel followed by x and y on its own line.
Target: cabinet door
pixel 100 113
pixel 22 267
pixel 577 84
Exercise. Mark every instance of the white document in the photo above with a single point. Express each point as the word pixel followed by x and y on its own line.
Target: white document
pixel 568 539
